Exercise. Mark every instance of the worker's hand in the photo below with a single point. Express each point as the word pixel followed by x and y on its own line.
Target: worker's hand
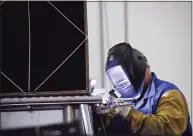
pixel 101 109
pixel 121 110
pixel 104 107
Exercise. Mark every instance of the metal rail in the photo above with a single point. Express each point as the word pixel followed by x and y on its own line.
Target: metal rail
pixel 68 114
pixel 87 119
pixel 51 100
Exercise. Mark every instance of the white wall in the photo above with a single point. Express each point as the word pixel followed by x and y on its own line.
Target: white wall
pixel 161 30
pixel 105 28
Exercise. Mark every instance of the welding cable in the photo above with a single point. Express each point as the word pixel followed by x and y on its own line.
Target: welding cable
pixel 29 71
pixel 103 126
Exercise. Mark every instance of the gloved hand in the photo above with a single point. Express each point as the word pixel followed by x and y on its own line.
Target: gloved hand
pixel 122 110
pixel 104 107
pixel 111 106
pixel 101 109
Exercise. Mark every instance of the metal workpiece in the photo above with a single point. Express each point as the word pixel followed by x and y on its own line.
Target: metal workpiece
pixel 10 108
pixel 87 119
pixel 61 99
pixel 69 112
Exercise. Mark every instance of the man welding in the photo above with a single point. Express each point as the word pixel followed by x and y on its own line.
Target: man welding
pixel 159 109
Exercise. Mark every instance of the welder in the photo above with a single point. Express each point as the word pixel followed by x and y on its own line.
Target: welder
pixel 159 109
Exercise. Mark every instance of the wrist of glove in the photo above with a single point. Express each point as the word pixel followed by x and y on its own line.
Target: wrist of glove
pixel 121 110
pixel 101 109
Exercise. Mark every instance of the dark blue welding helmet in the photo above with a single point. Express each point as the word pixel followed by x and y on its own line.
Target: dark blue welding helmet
pixel 126 68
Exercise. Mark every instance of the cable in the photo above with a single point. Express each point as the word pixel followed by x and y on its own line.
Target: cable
pixel 11 81
pixel 59 66
pixel 29 65
pixel 103 126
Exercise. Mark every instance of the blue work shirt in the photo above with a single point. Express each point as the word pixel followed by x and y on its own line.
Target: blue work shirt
pixel 149 102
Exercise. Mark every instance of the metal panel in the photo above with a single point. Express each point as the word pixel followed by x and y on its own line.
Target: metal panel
pixel 71 84
pixel 24 119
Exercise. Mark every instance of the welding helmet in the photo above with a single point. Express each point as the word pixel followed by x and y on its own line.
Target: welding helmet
pixel 126 68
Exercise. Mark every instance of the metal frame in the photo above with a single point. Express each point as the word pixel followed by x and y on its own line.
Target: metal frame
pixel 65 100
pixel 71 113
pixel 45 94
pixel 64 92
pixel 71 99
pixel 87 119
pixel 18 104
pixel 86 46
pixel 0 44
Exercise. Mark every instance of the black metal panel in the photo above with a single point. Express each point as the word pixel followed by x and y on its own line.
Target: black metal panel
pixel 53 39
pixel 14 45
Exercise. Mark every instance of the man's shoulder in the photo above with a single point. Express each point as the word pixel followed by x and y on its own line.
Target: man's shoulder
pixel 163 86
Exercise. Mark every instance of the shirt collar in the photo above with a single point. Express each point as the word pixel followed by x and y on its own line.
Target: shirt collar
pixel 151 89
pixel 149 92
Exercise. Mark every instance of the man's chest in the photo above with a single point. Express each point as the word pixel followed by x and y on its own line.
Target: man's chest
pixel 146 105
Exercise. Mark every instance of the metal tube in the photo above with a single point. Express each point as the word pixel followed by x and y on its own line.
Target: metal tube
pixel 31 108
pixel 86 118
pixel 61 103
pixel 68 114
pixel 68 99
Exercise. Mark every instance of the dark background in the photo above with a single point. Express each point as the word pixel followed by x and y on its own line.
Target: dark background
pixel 53 38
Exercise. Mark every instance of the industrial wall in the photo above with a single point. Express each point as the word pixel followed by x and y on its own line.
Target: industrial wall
pixel 161 30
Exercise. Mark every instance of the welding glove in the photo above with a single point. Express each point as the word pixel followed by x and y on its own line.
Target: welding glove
pixel 101 109
pixel 123 111
pixel 104 107
pixel 111 108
